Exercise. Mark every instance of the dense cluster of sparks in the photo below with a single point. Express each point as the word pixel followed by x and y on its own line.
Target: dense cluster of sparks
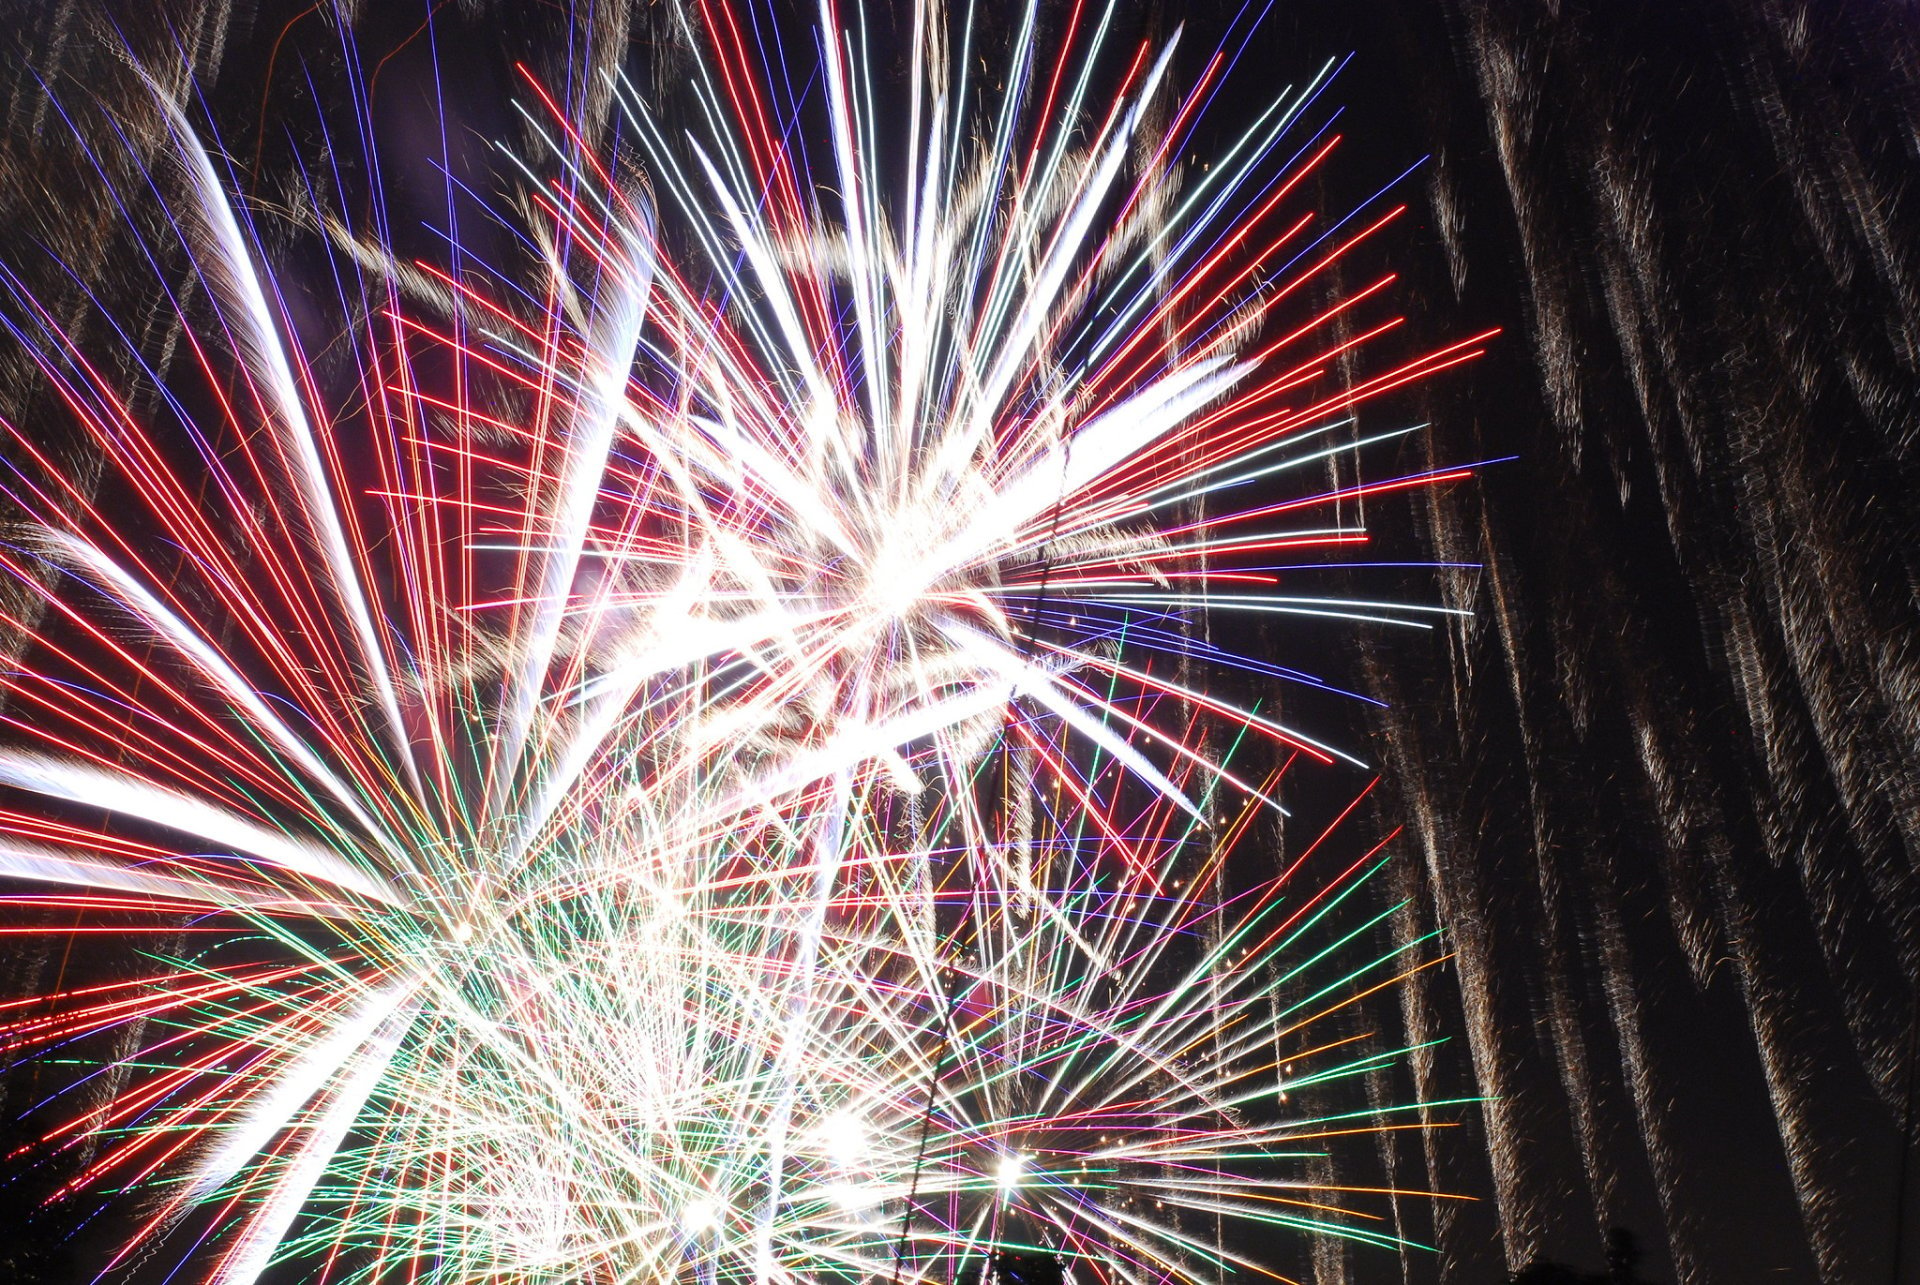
pixel 701 765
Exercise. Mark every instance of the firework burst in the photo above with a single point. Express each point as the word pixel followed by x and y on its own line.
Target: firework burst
pixel 699 764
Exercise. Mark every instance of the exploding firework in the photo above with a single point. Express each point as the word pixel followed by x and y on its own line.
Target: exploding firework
pixel 699 763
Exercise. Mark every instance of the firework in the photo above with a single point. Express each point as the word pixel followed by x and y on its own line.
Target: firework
pixel 699 763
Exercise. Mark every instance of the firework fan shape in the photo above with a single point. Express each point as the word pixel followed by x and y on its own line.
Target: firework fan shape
pixel 699 765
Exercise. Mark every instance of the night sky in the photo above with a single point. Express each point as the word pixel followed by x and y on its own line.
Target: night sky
pixel 1662 791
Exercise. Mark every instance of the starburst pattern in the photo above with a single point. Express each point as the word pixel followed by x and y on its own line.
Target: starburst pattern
pixel 699 763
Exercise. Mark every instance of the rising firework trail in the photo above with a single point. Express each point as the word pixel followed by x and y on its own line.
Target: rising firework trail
pixel 697 760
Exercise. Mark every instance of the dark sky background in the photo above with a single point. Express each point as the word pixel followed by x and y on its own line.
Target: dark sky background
pixel 1663 790
pixel 1663 785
